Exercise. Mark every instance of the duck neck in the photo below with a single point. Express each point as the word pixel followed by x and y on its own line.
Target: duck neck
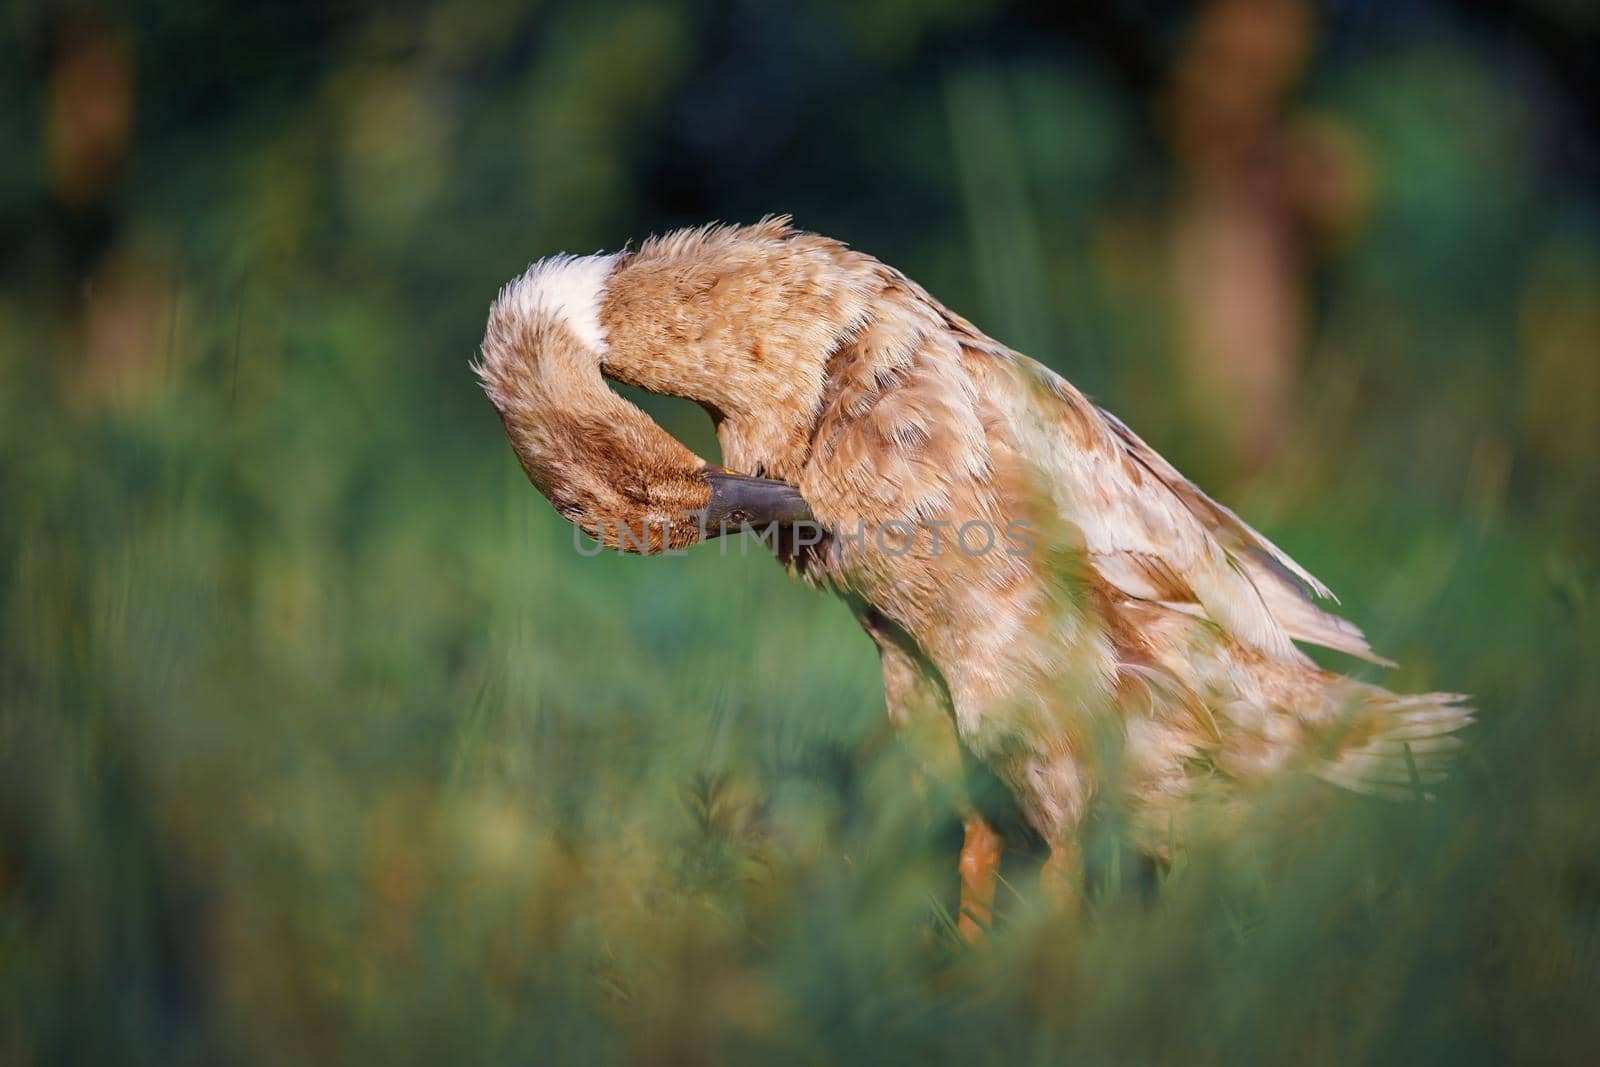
pixel 742 321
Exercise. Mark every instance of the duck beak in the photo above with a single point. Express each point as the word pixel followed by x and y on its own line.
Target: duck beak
pixel 740 500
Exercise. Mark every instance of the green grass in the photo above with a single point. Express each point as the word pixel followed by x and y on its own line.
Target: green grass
pixel 319 742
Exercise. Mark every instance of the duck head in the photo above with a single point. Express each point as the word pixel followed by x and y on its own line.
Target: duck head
pixel 600 460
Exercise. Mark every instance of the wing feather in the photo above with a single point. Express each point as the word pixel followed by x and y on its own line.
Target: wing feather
pixel 1154 535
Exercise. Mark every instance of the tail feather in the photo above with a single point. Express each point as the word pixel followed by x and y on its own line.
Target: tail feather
pixel 1402 744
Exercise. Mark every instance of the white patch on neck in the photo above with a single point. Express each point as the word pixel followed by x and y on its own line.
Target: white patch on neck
pixel 567 289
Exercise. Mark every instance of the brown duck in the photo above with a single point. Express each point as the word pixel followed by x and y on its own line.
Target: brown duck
pixel 1034 575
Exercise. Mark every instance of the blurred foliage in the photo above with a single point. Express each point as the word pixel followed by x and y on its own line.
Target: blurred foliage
pixel 318 742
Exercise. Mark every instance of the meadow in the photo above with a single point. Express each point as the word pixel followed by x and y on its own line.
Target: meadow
pixel 319 742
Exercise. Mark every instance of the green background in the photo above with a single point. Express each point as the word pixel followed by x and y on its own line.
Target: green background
pixel 318 742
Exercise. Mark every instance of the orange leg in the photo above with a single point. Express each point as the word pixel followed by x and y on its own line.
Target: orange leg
pixel 981 849
pixel 1062 877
